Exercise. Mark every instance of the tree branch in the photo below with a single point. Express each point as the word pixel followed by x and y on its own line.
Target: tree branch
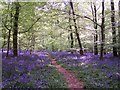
pixel 82 17
pixel 5 26
pixel 88 18
pixel 31 25
pixel 63 27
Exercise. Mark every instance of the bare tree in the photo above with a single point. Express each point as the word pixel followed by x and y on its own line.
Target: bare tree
pixel 9 33
pixel 113 28
pixel 94 13
pixel 15 28
pixel 71 33
pixel 102 31
pixel 76 29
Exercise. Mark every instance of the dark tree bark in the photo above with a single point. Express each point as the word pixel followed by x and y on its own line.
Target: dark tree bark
pixel 94 13
pixel 119 29
pixel 102 32
pixel 71 33
pixel 15 28
pixel 96 36
pixel 9 35
pixel 8 42
pixel 76 29
pixel 113 28
pixel 4 37
pixel 72 39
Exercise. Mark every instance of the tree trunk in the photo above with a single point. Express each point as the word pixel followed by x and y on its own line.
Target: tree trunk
pixel 102 32
pixel 71 33
pixel 72 41
pixel 15 28
pixel 96 36
pixel 94 13
pixel 113 28
pixel 8 46
pixel 9 35
pixel 76 31
pixel 119 29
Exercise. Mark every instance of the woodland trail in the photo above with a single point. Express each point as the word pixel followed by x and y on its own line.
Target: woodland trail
pixel 70 78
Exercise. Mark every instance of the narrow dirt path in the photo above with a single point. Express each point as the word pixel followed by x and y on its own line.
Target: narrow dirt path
pixel 71 80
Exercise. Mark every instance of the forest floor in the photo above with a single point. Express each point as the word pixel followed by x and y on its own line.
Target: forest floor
pixel 70 78
pixel 36 70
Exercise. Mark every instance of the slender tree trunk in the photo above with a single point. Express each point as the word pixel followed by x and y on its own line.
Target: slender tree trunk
pixel 94 13
pixel 76 30
pixel 8 46
pixel 119 29
pixel 96 36
pixel 102 32
pixel 15 28
pixel 72 41
pixel 19 43
pixel 9 35
pixel 71 33
pixel 113 28
pixel 33 42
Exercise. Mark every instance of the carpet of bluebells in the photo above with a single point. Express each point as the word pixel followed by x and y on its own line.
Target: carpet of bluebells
pixel 30 71
pixel 95 73
pixel 35 70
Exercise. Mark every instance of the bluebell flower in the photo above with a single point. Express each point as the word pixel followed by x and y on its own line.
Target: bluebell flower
pixel 38 84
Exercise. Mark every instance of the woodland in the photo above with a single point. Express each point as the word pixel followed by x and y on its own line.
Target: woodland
pixel 81 37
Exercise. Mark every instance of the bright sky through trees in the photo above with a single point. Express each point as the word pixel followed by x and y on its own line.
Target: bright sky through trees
pixel 106 1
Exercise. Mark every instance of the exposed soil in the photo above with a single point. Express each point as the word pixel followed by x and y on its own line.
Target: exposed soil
pixel 71 80
pixel 69 76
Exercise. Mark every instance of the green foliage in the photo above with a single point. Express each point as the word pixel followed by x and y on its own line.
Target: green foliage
pixel 94 77
pixel 24 85
pixel 53 79
pixel 52 30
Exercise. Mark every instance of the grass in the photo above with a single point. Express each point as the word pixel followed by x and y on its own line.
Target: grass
pixel 94 77
pixel 23 72
pixel 27 75
pixel 49 79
